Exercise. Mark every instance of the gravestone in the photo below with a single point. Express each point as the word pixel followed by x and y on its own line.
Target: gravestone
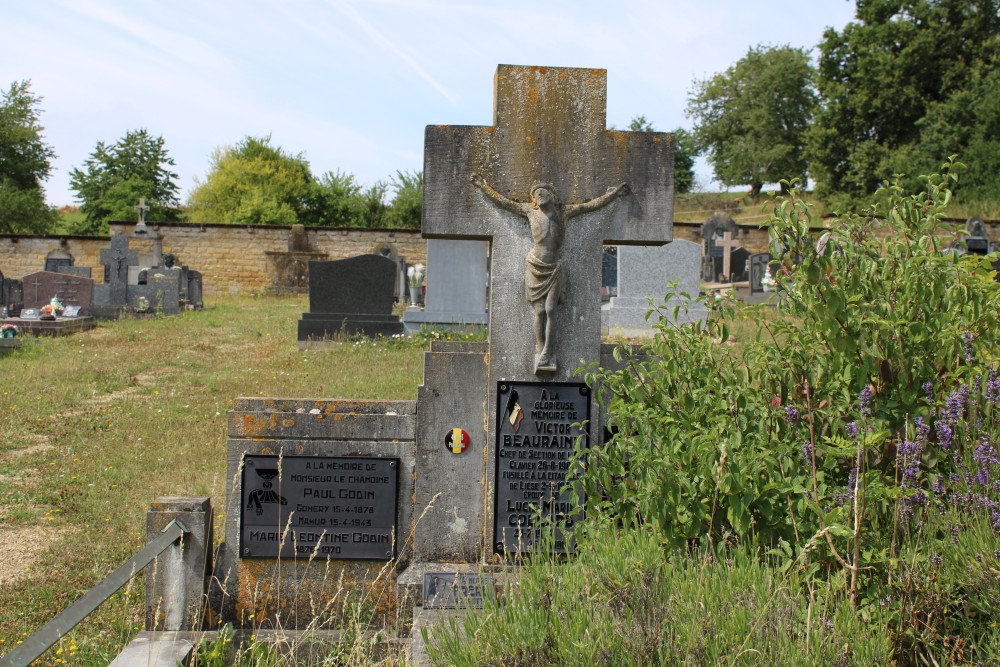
pixel 80 271
pixel 549 128
pixel 739 266
pixel 977 240
pixel 457 280
pixel 609 273
pixel 350 296
pixel 70 290
pixel 57 260
pixel 195 289
pixel 759 267
pixel 714 231
pixel 112 296
pixel 646 273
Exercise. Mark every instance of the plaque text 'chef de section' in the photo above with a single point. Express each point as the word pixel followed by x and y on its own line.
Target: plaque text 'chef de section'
pixel 335 507
pixel 535 440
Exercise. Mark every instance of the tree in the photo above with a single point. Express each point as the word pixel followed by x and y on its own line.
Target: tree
pixel 685 151
pixel 404 211
pixel 24 163
pixel 255 183
pixel 337 201
pixel 115 177
pixel 752 118
pixel 892 103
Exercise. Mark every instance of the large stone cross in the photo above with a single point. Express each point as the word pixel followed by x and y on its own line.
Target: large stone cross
pixel 549 126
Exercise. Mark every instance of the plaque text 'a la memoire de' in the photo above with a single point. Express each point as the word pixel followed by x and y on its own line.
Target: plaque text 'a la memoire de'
pixel 537 430
pixel 333 507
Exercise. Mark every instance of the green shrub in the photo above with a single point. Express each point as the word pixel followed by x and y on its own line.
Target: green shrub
pixel 825 437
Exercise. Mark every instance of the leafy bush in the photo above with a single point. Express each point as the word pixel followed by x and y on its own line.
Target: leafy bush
pixel 825 437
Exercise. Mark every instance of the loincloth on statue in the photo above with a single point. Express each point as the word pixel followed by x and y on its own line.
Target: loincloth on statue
pixel 541 278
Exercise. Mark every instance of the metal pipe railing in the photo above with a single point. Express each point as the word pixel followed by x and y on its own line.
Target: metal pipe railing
pixel 45 637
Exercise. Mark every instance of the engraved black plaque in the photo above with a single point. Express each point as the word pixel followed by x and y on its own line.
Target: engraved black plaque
pixel 535 438
pixel 456 590
pixel 335 507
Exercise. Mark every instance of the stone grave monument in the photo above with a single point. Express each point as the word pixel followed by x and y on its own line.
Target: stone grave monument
pixel 718 247
pixel 329 491
pixel 350 296
pixel 457 283
pixel 71 290
pixel 646 273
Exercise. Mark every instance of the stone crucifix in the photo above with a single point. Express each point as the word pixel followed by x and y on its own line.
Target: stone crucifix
pixel 543 279
pixel 549 126
pixel 728 244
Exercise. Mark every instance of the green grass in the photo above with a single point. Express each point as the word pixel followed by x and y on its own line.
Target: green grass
pixel 93 427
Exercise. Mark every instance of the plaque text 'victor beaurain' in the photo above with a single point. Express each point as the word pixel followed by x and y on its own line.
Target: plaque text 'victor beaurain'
pixel 335 507
pixel 536 436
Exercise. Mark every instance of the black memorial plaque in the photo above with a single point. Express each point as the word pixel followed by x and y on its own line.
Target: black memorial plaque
pixel 456 590
pixel 340 507
pixel 535 439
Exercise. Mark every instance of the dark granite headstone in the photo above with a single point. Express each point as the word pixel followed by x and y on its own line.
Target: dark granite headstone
pixel 56 264
pixel 81 271
pixel 609 272
pixel 71 290
pixel 194 288
pixel 352 296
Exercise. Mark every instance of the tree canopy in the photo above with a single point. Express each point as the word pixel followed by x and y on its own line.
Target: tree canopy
pixel 253 183
pixel 24 163
pixel 902 87
pixel 115 177
pixel 751 119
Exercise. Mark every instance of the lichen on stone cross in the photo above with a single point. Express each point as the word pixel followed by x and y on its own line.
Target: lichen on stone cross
pixel 549 126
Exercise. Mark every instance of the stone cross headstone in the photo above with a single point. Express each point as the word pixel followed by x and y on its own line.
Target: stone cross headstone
pixel 728 244
pixel 141 207
pixel 548 185
pixel 117 259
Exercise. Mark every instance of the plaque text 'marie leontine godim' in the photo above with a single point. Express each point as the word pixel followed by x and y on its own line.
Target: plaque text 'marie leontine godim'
pixel 335 507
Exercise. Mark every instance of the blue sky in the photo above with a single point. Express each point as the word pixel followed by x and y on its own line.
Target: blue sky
pixel 352 83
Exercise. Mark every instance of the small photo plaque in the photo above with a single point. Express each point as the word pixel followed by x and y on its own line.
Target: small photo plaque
pixel 457 590
pixel 318 506
pixel 29 314
pixel 71 311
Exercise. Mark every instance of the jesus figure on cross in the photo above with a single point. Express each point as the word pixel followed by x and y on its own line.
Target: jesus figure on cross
pixel 543 280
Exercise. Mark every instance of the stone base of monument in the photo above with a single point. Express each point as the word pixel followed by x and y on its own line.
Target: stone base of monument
pixel 415 319
pixel 61 326
pixel 317 329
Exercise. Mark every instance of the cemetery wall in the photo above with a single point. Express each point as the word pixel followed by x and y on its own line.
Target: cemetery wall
pixel 234 259
pixel 231 259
